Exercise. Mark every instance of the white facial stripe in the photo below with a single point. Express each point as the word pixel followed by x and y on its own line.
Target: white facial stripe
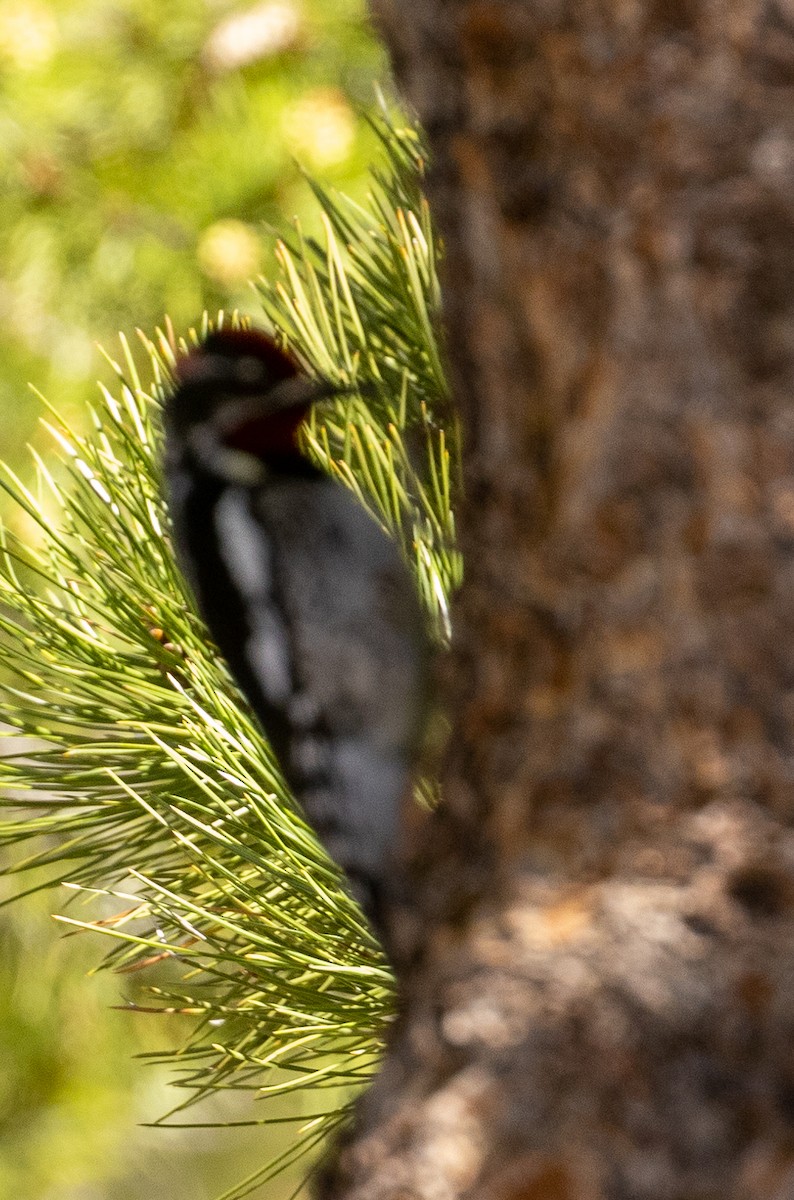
pixel 296 390
pixel 235 465
pixel 239 467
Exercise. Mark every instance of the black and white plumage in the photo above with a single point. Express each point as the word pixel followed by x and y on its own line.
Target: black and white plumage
pixel 306 596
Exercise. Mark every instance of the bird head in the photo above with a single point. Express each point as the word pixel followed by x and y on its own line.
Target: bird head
pixel 237 403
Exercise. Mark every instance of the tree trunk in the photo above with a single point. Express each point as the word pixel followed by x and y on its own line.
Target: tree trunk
pixel 597 998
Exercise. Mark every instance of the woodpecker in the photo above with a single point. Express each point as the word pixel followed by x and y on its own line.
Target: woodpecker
pixel 306 596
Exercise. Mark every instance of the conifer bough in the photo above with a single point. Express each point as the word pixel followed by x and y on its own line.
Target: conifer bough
pixel 142 781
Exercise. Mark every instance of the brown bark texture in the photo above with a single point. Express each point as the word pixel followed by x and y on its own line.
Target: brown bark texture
pixel 598 995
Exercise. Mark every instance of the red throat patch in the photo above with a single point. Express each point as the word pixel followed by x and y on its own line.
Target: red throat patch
pixel 273 437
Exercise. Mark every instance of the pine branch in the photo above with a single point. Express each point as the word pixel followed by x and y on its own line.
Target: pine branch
pixel 144 783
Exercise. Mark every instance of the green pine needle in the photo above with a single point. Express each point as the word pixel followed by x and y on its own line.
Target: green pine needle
pixel 142 781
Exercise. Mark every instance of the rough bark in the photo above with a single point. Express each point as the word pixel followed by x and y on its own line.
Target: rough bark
pixel 597 1001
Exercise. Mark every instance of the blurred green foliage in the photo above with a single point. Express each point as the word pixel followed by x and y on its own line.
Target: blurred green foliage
pixel 144 150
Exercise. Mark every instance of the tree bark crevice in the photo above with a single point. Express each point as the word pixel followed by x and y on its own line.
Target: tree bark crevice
pixel 596 983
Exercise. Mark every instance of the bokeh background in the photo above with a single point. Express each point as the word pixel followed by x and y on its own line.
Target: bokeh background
pixel 147 152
